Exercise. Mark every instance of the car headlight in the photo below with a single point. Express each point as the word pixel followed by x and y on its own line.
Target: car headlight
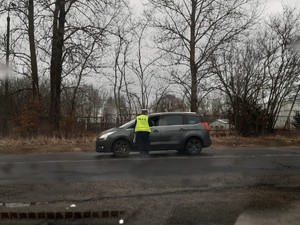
pixel 104 136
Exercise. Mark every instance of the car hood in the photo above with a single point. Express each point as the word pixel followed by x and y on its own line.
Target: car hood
pixel 109 130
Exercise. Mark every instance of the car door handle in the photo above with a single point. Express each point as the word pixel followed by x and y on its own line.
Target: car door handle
pixel 155 131
pixel 181 129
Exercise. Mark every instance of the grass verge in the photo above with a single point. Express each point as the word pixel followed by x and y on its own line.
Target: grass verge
pixel 87 144
pixel 260 141
pixel 46 144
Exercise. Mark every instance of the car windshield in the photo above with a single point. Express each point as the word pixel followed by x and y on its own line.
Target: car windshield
pixel 127 125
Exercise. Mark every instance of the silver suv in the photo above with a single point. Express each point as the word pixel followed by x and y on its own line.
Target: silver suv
pixel 184 132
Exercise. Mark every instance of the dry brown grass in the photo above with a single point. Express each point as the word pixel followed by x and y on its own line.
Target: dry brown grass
pixel 46 144
pixel 267 140
pixel 87 144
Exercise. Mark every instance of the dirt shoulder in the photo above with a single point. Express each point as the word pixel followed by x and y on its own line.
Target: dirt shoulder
pixel 87 144
pixel 262 141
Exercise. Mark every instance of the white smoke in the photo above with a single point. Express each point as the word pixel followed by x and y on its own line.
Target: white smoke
pixel 3 71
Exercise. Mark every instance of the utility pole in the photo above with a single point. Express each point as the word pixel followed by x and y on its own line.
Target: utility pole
pixel 7 52
pixel 6 83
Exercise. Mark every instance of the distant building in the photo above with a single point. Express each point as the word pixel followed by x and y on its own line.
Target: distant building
pixel 220 124
pixel 284 113
pixel 220 127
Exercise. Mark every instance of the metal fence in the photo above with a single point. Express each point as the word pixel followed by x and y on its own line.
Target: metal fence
pixel 78 126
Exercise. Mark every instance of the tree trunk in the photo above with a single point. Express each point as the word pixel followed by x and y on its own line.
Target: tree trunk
pixel 193 66
pixel 56 64
pixel 34 67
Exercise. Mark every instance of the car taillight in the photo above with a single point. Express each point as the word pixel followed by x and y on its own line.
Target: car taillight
pixel 206 126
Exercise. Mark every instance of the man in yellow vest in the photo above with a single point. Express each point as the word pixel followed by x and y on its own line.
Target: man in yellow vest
pixel 142 132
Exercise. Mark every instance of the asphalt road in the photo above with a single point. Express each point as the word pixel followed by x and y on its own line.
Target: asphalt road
pixel 92 167
pixel 220 186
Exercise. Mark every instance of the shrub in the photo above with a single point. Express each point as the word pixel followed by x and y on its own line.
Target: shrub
pixel 248 117
pixel 296 120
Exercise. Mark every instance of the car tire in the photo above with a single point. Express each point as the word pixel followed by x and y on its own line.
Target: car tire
pixel 181 151
pixel 193 146
pixel 121 148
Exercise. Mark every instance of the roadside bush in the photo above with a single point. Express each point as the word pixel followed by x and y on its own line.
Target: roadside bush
pixel 296 120
pixel 28 119
pixel 248 118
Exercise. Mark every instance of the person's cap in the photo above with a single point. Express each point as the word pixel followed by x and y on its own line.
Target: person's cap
pixel 144 111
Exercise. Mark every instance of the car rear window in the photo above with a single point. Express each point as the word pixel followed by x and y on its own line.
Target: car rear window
pixel 193 119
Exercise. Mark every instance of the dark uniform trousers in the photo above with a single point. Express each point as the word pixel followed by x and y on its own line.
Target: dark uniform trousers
pixel 143 142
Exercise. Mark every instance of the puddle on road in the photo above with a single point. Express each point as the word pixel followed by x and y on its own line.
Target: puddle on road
pixel 20 204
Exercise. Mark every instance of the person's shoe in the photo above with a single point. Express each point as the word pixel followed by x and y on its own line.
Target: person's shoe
pixel 145 155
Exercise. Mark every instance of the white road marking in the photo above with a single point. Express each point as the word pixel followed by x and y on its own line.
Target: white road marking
pixel 147 159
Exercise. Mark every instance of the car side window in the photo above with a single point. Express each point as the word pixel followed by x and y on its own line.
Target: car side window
pixel 153 121
pixel 193 119
pixel 171 120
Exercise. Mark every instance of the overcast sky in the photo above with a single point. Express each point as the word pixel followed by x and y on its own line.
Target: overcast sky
pixel 272 6
pixel 276 5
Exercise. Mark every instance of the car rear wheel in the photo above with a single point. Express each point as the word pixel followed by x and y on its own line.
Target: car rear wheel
pixel 121 148
pixel 193 146
pixel 181 151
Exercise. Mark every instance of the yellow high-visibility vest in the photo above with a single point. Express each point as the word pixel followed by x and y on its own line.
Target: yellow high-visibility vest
pixel 142 124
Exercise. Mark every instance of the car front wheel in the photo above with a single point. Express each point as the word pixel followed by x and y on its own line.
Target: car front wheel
pixel 193 146
pixel 121 148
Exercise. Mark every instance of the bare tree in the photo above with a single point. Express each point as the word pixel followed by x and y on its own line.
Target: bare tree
pixel 120 76
pixel 32 47
pixel 238 72
pixel 59 19
pixel 190 31
pixel 281 67
pixel 24 30
pixel 79 68
pixel 121 54
pixel 22 13
pixel 144 63
pixel 75 34
pixel 74 30
pixel 259 76
pixel 169 103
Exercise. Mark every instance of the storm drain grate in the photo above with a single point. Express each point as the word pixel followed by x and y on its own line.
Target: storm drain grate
pixel 60 215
